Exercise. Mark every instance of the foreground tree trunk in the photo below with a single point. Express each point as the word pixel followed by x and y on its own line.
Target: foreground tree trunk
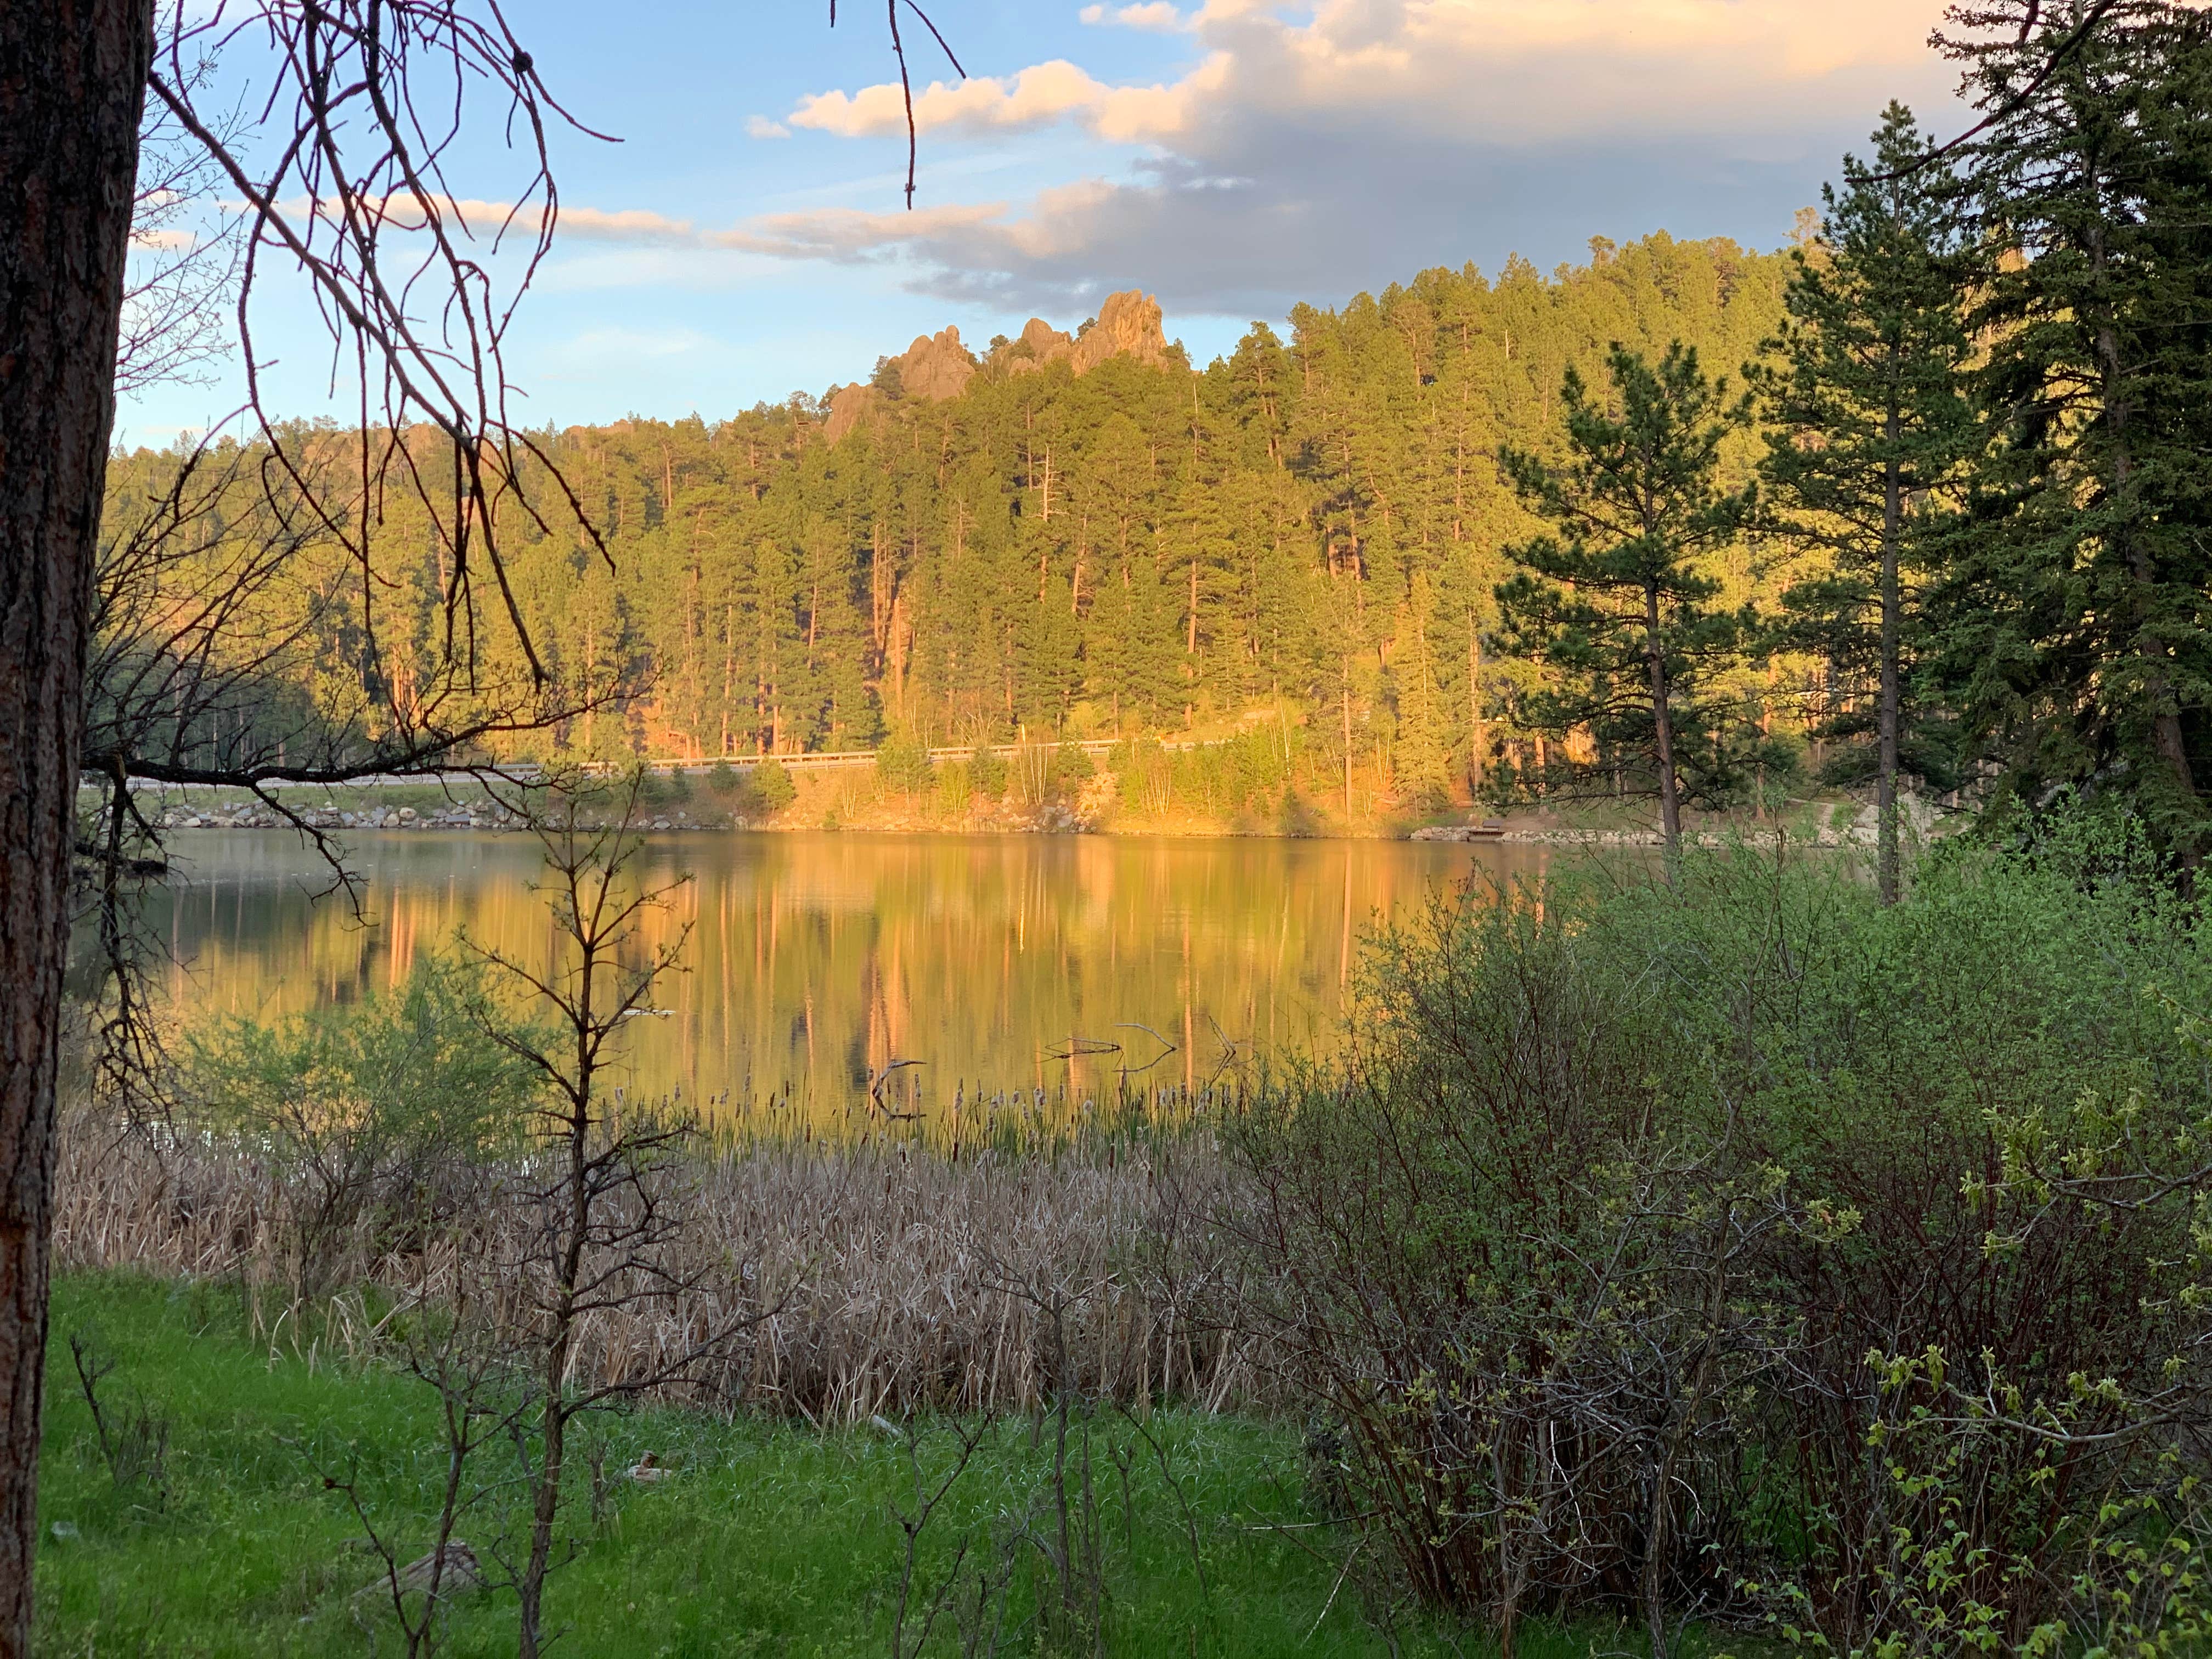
pixel 72 81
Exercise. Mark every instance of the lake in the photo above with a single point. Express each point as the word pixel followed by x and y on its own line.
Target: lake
pixel 816 960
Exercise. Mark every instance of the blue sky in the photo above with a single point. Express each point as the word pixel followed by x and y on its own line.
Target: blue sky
pixel 747 237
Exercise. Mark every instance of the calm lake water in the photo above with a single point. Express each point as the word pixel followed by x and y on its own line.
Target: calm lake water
pixel 815 960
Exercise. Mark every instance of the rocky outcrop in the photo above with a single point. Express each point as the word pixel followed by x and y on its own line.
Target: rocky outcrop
pixel 1128 326
pixel 934 367
pixel 1041 343
pixel 847 403
pixel 937 366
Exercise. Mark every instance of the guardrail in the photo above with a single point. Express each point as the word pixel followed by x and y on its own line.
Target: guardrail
pixel 1094 747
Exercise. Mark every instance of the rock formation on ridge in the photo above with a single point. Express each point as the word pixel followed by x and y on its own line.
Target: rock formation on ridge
pixel 934 367
pixel 1040 344
pixel 937 366
pixel 1128 326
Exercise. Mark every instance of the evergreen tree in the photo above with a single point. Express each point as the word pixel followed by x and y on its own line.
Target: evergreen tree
pixel 1870 428
pixel 2077 635
pixel 1422 759
pixel 1612 599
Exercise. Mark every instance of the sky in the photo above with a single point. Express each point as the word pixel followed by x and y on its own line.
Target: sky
pixel 747 237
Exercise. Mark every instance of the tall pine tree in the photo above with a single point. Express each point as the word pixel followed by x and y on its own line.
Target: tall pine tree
pixel 1613 599
pixel 1870 428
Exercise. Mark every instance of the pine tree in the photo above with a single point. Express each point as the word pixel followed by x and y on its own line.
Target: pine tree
pixel 1423 750
pixel 1612 600
pixel 1870 428
pixel 2077 635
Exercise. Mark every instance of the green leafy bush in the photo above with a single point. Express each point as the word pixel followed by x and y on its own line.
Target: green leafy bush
pixel 372 1116
pixel 1072 768
pixel 987 775
pixel 1747 1245
pixel 657 789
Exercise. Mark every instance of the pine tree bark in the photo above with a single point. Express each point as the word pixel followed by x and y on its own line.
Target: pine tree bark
pixel 72 84
pixel 1663 732
pixel 1479 733
pixel 1888 858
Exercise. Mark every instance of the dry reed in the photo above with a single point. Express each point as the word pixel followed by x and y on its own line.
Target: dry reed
pixel 898 1278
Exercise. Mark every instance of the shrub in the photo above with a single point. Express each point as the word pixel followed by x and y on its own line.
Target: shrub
pixel 986 774
pixel 953 789
pixel 1747 1243
pixel 772 787
pixel 902 765
pixel 1146 774
pixel 664 789
pixel 365 1113
pixel 1072 768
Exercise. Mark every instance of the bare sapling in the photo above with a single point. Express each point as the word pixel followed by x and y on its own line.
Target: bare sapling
pixel 1072 1540
pixel 602 1204
pixel 133 1437
pixel 478 1407
pixel 912 1619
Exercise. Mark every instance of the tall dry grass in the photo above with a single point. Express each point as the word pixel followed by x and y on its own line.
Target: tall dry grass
pixel 895 1276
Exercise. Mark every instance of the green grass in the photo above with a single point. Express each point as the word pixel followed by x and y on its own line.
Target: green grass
pixel 769 1539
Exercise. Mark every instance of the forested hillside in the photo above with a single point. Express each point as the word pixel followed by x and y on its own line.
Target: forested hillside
pixel 1095 541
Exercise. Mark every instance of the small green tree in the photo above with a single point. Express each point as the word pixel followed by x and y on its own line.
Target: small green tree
pixel 987 772
pixel 772 787
pixel 1611 601
pixel 903 764
pixel 1871 428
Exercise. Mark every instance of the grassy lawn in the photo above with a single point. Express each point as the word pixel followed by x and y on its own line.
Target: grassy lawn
pixel 768 1540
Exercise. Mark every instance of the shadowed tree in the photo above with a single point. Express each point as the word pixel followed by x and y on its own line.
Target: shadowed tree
pixel 2073 623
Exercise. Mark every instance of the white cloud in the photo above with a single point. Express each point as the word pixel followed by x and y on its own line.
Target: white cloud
pixel 1038 96
pixel 626 343
pixel 759 126
pixel 630 225
pixel 1155 16
pixel 848 236
pixel 1313 147
pixel 1309 146
pixel 410 211
pixel 1524 72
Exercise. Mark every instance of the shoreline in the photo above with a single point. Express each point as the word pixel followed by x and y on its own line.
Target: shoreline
pixel 495 821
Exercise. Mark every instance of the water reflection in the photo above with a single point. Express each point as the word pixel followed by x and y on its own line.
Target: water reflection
pixel 816 960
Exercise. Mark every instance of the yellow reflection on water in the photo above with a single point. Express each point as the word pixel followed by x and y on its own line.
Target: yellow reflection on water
pixel 815 960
